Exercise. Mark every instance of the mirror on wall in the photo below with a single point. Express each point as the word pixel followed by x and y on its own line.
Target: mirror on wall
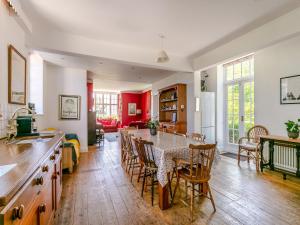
pixel 16 77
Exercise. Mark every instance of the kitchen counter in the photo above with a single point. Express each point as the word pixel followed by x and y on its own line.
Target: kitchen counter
pixel 18 162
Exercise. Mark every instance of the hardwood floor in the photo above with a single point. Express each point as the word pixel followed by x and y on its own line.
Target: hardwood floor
pixel 100 192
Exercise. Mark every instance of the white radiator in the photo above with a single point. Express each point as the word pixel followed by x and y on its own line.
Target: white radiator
pixel 285 158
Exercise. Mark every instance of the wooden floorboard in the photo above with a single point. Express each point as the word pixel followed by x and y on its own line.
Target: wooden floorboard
pixel 99 192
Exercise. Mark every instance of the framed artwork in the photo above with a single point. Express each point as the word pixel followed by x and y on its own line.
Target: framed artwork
pixel 290 90
pixel 16 77
pixel 131 109
pixel 69 107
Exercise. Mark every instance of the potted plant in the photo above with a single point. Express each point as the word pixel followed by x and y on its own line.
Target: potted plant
pixel 293 129
pixel 152 125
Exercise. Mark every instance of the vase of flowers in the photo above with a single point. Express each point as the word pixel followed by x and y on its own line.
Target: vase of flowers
pixel 152 125
pixel 292 128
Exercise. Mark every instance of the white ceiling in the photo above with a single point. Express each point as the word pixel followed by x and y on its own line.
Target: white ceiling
pixel 189 26
pixel 115 74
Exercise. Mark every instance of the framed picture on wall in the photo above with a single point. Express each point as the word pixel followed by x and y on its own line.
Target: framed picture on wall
pixel 69 107
pixel 290 90
pixel 16 77
pixel 131 109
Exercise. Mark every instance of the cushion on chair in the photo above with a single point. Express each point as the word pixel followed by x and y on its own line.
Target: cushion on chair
pixel 249 146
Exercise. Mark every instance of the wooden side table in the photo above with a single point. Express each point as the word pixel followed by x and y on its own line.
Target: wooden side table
pixel 283 142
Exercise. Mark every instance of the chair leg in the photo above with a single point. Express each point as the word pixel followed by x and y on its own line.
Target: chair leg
pixel 177 184
pixel 143 186
pixel 257 161
pixel 170 185
pixel 192 203
pixel 140 172
pixel 186 189
pixel 133 163
pixel 239 156
pixel 248 156
pixel 129 165
pixel 152 189
pixel 211 197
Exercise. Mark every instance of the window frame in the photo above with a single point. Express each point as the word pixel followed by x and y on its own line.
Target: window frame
pixel 108 104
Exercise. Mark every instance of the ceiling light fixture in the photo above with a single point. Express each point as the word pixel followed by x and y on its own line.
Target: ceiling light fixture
pixel 162 55
pixel 11 6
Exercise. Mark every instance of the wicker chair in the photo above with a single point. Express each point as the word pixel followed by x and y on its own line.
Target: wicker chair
pixel 196 171
pixel 197 137
pixel 251 144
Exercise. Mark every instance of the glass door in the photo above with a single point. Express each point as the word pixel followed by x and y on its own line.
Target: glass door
pixel 239 99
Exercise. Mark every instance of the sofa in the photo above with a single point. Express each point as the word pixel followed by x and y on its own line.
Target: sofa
pixel 138 124
pixel 108 125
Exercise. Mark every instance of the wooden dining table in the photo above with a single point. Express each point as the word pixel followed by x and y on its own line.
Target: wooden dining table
pixel 166 147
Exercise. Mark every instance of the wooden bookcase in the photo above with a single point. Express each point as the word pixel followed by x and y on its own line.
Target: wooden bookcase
pixel 172 108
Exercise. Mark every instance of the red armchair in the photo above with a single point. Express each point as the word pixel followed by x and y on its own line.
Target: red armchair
pixel 109 125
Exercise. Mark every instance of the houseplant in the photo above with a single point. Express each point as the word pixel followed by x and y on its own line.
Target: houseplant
pixel 152 125
pixel 292 128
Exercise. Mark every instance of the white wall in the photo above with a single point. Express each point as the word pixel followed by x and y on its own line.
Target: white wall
pixel 10 33
pixel 186 78
pixel 270 65
pixel 59 80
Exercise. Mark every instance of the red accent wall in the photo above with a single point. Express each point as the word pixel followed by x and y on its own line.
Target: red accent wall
pixel 143 102
pixel 90 98
pixel 130 98
pixel 146 106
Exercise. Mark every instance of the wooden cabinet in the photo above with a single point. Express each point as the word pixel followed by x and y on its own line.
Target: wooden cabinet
pixel 38 199
pixel 172 108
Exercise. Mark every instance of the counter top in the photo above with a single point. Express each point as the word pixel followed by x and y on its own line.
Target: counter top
pixel 18 162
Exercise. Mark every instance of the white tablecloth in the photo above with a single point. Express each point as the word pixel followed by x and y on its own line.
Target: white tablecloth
pixel 166 147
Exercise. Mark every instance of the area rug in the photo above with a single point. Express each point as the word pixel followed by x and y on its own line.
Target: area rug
pixel 233 156
pixel 111 137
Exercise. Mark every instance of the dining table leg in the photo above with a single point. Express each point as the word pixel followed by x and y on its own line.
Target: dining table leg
pixel 163 193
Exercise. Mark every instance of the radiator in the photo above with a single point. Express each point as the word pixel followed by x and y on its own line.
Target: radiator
pixel 285 158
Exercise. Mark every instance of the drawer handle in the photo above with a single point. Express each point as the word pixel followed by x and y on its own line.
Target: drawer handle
pixel 45 168
pixel 18 212
pixel 52 157
pixel 42 208
pixel 39 181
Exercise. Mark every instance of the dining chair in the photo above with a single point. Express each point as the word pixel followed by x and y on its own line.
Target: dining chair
pixel 123 146
pixel 132 157
pixel 251 144
pixel 140 155
pixel 146 153
pixel 196 171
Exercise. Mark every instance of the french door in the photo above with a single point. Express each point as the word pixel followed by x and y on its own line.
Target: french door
pixel 239 97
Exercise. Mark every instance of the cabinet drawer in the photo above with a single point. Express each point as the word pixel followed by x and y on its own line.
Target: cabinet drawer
pixel 21 204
